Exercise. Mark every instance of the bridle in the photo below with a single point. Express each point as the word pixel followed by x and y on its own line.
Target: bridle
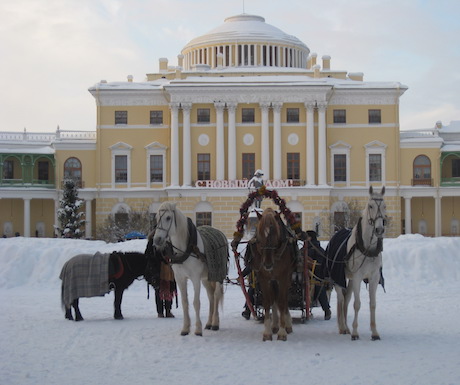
pixel 379 215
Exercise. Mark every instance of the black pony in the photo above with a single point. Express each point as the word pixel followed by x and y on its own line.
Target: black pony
pixel 87 275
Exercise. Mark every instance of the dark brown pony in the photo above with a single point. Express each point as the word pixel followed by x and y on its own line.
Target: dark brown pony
pixel 273 259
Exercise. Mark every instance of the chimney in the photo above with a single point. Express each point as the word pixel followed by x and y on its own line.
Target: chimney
pixel 317 71
pixel 326 62
pixel 130 78
pixel 163 64
pixel 313 57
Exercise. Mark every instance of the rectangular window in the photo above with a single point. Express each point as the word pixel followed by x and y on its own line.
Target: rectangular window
pixel 375 116
pixel 204 166
pixel 292 115
pixel 8 169
pixel 121 168
pixel 203 115
pixel 340 168
pixel 293 165
pixel 455 168
pixel 156 168
pixel 43 170
pixel 340 116
pixel 249 165
pixel 248 115
pixel 375 167
pixel 156 117
pixel 121 117
pixel 203 219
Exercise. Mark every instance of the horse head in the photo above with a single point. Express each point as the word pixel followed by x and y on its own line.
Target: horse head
pixel 165 228
pixel 376 211
pixel 268 238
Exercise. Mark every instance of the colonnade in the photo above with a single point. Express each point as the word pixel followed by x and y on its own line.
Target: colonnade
pixel 229 146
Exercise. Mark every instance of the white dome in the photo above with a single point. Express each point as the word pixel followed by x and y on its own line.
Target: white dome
pixel 246 28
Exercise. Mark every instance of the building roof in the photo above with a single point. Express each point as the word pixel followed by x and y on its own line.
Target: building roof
pixel 246 28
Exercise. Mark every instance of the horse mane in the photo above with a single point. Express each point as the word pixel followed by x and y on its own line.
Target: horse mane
pixel 268 226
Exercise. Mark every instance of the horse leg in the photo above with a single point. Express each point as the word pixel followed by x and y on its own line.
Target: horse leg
pixel 275 318
pixel 196 305
pixel 68 313
pixel 117 303
pixel 341 311
pixel 282 333
pixel 211 292
pixel 182 284
pixel 267 334
pixel 373 284
pixel 355 287
pixel 288 322
pixel 78 316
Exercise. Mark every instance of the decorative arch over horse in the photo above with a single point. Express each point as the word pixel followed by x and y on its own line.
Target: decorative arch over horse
pixel 273 256
pixel 196 254
pixel 359 252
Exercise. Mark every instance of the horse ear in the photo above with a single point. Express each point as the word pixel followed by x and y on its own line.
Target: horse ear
pixel 259 215
pixel 371 190
pixel 383 191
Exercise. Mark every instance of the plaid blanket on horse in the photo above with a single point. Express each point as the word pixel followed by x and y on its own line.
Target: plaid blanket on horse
pixel 85 275
pixel 216 252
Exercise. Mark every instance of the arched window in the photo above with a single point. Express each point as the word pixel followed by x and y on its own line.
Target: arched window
pixel 72 170
pixel 422 171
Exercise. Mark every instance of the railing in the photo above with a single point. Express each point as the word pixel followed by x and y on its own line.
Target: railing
pixel 422 182
pixel 21 183
pixel 453 181
pixel 46 137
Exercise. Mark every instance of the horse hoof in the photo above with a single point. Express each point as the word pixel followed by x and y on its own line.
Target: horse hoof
pixel 118 317
pixel 354 338
pixel 184 333
pixel 375 338
pixel 282 338
pixel 267 338
pixel 288 330
pixel 275 330
pixel 208 327
pixel 215 327
pixel 199 334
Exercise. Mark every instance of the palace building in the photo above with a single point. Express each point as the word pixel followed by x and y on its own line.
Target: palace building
pixel 244 96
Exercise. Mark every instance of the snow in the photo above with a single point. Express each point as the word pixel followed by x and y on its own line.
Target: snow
pixel 417 319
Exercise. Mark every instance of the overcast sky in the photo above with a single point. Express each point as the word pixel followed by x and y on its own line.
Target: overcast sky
pixel 52 51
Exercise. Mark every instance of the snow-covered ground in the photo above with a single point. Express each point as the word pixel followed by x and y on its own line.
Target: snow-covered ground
pixel 417 318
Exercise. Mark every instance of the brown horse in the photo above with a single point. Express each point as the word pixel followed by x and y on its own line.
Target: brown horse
pixel 273 259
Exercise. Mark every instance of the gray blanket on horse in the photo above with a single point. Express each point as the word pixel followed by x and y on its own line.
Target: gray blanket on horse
pixel 216 252
pixel 85 275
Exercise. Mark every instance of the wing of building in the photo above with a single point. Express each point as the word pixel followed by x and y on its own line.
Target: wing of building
pixel 242 97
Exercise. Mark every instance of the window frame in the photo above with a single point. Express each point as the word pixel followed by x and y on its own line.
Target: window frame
pixel 293 165
pixel 74 172
pixel 248 165
pixel 203 218
pixel 375 116
pixel 203 115
pixel 203 166
pixel 292 115
pixel 156 120
pixel 340 116
pixel 248 115
pixel 121 117
pixel 8 169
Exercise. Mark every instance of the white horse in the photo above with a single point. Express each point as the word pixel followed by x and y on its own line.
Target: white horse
pixel 363 261
pixel 190 253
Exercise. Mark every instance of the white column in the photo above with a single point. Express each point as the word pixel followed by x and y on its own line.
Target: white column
pixel 187 146
pixel 437 217
pixel 277 161
pixel 407 215
pixel 26 217
pixel 88 216
pixel 310 144
pixel 174 143
pixel 265 145
pixel 220 141
pixel 322 180
pixel 231 150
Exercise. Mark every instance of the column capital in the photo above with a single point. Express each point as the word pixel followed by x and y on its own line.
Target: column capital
pixel 277 106
pixel 174 106
pixel 231 106
pixel 265 106
pixel 186 106
pixel 322 106
pixel 310 106
pixel 219 106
